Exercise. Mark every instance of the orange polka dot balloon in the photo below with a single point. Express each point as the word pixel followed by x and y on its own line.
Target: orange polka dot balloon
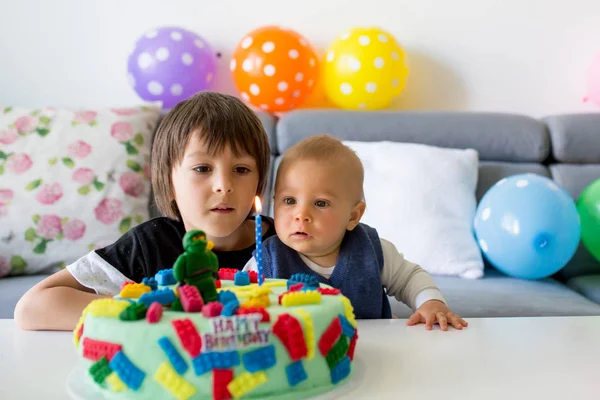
pixel 274 69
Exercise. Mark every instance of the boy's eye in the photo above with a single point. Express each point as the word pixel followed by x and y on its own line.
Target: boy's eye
pixel 202 168
pixel 242 170
pixel 289 201
pixel 321 203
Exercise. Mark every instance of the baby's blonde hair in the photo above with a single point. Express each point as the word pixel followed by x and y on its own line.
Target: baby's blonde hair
pixel 327 149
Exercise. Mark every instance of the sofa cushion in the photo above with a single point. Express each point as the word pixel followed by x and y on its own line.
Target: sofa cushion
pixel 71 181
pixel 11 290
pixel 575 137
pixel 491 172
pixel 498 295
pixel 587 285
pixel 574 178
pixel 496 137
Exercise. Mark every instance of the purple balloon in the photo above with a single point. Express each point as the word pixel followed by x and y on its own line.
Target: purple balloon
pixel 171 64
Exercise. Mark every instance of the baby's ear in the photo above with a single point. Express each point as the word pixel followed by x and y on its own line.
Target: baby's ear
pixel 356 214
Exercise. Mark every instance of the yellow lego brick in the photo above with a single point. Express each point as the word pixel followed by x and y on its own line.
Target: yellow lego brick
pixel 245 383
pixel 115 383
pixel 107 307
pixel 275 284
pixel 301 298
pixel 167 377
pixel 134 290
pixel 309 332
pixel 77 330
pixel 348 310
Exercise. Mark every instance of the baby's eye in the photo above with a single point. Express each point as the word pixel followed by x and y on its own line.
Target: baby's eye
pixel 321 203
pixel 289 201
pixel 202 169
pixel 242 170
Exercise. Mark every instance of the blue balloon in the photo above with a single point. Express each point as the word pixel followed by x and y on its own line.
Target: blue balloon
pixel 527 226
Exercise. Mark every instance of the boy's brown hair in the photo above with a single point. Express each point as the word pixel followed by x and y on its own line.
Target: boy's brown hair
pixel 326 148
pixel 220 120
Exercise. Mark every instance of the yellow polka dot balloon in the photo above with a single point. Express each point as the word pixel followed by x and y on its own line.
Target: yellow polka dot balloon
pixel 364 68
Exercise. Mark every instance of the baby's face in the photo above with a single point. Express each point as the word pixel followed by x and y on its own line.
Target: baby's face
pixel 313 207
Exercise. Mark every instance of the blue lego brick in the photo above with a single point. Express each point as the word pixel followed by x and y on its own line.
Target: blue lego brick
pixel 176 360
pixel 340 370
pixel 131 375
pixel 260 359
pixel 165 277
pixel 163 296
pixel 295 373
pixel 241 279
pixel 150 282
pixel 347 328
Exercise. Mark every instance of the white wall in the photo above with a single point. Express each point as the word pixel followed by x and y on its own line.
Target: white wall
pixel 525 56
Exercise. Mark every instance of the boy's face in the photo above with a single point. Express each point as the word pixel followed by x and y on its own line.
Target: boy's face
pixel 214 193
pixel 314 206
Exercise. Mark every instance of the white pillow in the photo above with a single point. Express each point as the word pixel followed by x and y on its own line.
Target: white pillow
pixel 422 199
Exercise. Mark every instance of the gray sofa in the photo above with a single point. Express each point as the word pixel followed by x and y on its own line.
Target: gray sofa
pixel 565 148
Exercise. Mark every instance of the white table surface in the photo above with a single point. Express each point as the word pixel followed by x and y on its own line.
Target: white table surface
pixel 497 358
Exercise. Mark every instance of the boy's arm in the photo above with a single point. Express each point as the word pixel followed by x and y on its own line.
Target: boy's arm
pixel 406 281
pixel 55 303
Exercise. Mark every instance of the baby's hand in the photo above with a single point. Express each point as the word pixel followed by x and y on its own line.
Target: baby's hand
pixel 433 311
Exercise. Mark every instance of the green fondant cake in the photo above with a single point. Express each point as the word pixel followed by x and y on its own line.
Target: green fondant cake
pixel 160 339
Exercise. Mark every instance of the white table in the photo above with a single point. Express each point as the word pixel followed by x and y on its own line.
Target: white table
pixel 512 358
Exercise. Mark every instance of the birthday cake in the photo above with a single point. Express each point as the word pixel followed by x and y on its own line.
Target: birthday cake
pixel 164 338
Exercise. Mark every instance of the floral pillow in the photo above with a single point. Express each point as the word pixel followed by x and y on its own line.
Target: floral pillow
pixel 70 182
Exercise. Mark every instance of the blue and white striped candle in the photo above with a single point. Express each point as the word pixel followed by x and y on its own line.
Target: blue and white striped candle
pixel 258 253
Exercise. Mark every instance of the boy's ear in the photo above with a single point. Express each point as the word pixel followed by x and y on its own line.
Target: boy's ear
pixel 356 215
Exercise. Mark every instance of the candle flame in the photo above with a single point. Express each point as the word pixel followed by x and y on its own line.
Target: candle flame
pixel 257 204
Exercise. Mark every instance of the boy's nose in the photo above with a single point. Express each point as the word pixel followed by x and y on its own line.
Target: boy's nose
pixel 302 216
pixel 222 185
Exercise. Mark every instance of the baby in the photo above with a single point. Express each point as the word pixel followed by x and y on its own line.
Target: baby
pixel 319 202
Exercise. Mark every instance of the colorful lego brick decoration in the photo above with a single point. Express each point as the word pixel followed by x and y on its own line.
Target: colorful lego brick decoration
pixel 154 313
pixel 164 296
pixel 253 276
pixel 115 383
pixel 100 370
pixel 241 278
pixel 337 352
pixel 188 336
pixel 230 308
pixel 296 287
pixel 243 310
pixel 133 312
pixel 131 375
pixel 134 291
pixel 96 349
pixel 78 332
pixel 295 373
pixel 165 277
pixel 166 376
pixel 245 383
pixel 260 359
pixel 347 329
pixel 352 347
pixel 212 309
pixel 215 359
pixel 348 310
pixel 190 298
pixel 150 282
pixel 307 280
pixel 227 274
pixel 107 307
pixel 329 291
pixel 340 371
pixel 225 296
pixel 330 336
pixel 309 332
pixel 218 283
pixel 289 332
pixel 221 378
pixel 176 359
pixel 290 299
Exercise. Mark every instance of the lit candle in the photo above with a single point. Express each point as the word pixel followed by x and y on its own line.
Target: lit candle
pixel 258 253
